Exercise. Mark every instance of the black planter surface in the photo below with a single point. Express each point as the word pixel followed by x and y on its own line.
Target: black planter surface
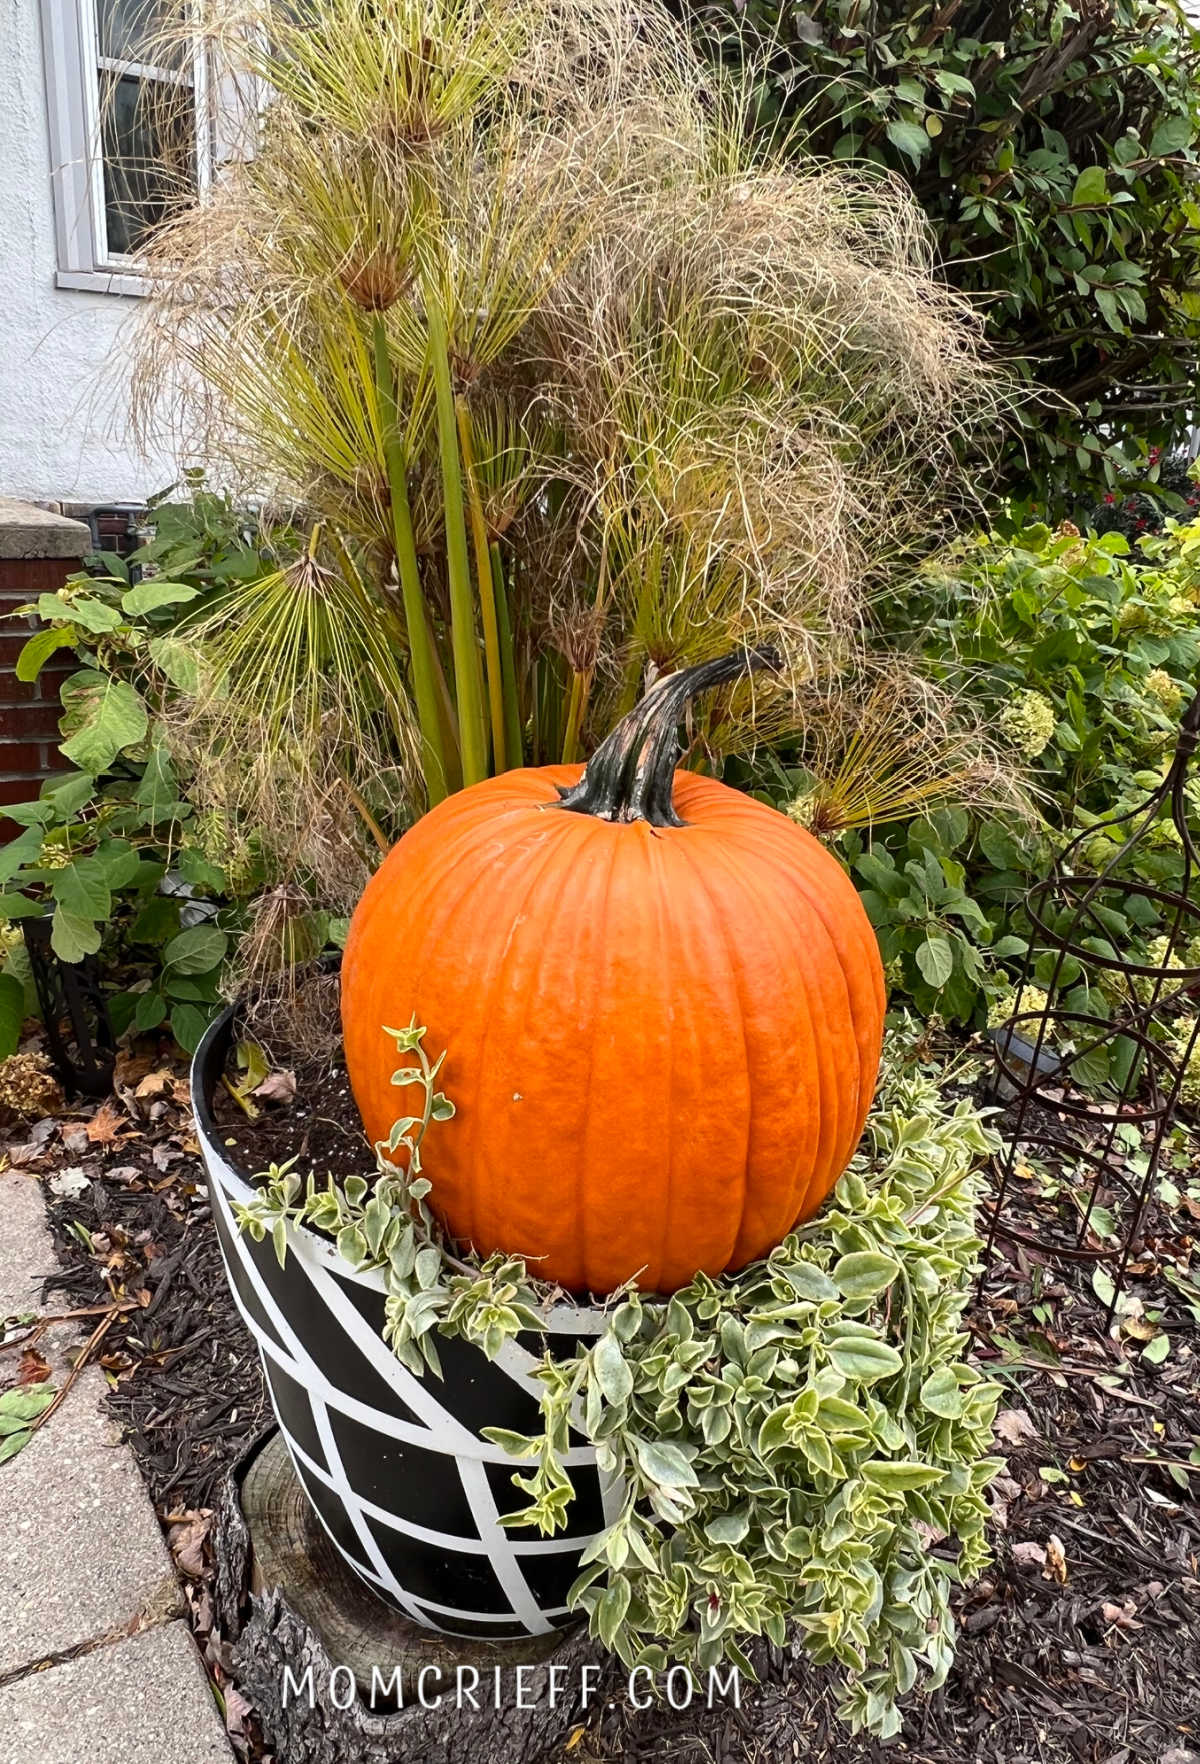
pixel 394 1464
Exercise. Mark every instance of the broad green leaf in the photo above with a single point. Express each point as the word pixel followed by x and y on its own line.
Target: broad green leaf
pixel 1091 188
pixel 119 862
pixel 196 950
pixel 898 1475
pixel 150 1010
pixel 24 849
pixel 664 1462
pixel 201 872
pixel 865 1360
pixel 809 1282
pixel 610 1612
pixel 880 873
pixel 92 614
pixel 935 958
pixel 612 1372
pixel 999 846
pixel 864 1273
pixel 23 1404
pixel 910 138
pixel 81 887
pixel 1172 135
pixel 942 1394
pixel 149 596
pixel 41 647
pixel 727 1528
pixel 178 661
pixel 68 795
pixel 1110 310
pixel 188 1023
pixel 72 937
pixel 12 1443
pixel 38 813
pixel 352 1245
pixel 20 906
pixel 517 1445
pixel 107 716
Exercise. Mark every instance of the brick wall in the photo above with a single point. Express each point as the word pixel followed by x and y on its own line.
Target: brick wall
pixel 38 551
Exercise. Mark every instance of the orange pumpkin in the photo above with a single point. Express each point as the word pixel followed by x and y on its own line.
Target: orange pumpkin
pixel 662 1004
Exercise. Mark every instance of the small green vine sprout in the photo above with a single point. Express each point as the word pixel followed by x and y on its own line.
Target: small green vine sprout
pixel 386 1224
pixel 409 1131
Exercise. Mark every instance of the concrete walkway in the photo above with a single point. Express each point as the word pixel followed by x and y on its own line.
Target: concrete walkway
pixel 96 1663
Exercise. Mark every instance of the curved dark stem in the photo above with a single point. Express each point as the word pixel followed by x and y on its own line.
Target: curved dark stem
pixel 630 776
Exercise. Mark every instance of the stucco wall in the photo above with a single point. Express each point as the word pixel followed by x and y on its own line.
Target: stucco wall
pixel 63 421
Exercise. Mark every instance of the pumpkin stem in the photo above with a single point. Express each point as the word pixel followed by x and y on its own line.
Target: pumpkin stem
pixel 631 775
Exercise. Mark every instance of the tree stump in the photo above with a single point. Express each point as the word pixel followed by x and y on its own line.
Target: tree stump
pixel 335 1675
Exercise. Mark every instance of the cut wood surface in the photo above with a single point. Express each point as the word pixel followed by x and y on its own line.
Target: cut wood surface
pixel 297 1616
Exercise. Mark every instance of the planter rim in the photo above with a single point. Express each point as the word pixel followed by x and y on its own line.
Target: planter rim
pixel 563 1317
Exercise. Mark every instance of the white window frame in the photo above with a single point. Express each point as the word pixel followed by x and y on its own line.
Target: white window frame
pixel 72 60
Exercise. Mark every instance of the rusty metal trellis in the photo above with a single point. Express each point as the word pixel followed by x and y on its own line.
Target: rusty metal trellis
pixel 1052 1103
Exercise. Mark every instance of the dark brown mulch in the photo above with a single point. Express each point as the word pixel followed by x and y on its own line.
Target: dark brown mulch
pixel 1081 1645
pixel 131 1216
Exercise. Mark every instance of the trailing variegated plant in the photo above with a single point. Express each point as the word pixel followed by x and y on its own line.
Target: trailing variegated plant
pixel 793 1441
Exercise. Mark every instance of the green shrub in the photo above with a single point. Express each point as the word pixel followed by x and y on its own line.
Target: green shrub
pixel 112 851
pixel 1053 147
pixel 1084 653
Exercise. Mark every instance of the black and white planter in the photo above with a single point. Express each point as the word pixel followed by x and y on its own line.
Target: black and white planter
pixel 395 1465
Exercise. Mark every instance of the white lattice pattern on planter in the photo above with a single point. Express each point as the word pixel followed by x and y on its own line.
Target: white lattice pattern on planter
pixel 409 1492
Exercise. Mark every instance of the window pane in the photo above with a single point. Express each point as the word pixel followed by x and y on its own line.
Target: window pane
pixel 130 30
pixel 149 144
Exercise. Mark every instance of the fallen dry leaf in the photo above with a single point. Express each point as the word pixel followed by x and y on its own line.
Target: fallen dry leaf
pixel 1028 1554
pixel 155 1084
pixel 108 1124
pixel 1122 1616
pixel 1014 1426
pixel 70 1183
pixel 1003 1491
pixel 33 1367
pixel 1056 1561
pixel 186 1542
pixel 131 1067
pixel 277 1087
pixel 236 1711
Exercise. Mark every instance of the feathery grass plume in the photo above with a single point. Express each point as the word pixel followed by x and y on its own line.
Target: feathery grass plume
pixel 884 743
pixel 299 720
pixel 584 385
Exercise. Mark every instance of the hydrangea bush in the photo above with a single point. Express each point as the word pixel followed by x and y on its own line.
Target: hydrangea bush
pixel 1082 651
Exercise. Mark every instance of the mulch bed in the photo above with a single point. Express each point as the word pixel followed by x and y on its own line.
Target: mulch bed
pixel 1082 1645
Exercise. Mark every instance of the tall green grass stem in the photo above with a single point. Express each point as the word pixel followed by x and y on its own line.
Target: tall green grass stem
pixel 420 653
pixel 468 691
pixel 487 593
